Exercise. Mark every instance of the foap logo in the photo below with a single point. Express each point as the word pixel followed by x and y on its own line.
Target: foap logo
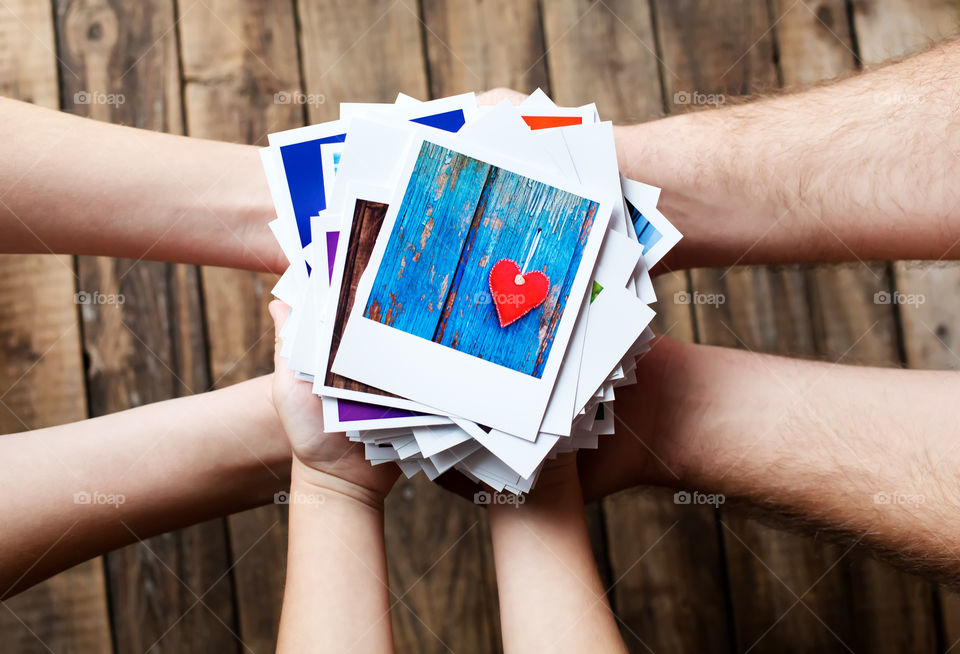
pixel 296 497
pixel 907 299
pixel 296 97
pixel 96 97
pixel 96 297
pixel 98 498
pixel 899 498
pixel 899 99
pixel 696 98
pixel 697 498
pixel 485 498
pixel 708 299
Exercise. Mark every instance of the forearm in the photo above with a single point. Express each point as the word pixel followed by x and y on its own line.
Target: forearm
pixel 551 596
pixel 77 186
pixel 861 169
pixel 337 596
pixel 867 454
pixel 78 490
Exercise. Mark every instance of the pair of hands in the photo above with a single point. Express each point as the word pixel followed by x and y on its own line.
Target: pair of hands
pixel 637 453
pixel 330 461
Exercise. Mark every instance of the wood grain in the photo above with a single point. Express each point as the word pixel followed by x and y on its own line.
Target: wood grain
pixel 468 48
pixel 337 38
pixel 892 30
pixel 151 347
pixel 236 56
pixel 41 366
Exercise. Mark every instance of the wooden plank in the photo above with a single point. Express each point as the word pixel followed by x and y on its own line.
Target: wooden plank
pixel 467 51
pixel 664 559
pixel 359 51
pixel 890 30
pixel 151 348
pixel 446 580
pixel 727 49
pixel 236 55
pixel 41 375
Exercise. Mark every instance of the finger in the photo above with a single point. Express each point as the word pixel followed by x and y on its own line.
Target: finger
pixel 498 95
pixel 279 312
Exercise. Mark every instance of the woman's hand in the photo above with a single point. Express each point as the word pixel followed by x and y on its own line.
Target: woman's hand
pixel 321 459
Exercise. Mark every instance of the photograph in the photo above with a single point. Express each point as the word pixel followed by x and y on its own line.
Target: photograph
pixel 647 234
pixel 434 280
pixel 424 326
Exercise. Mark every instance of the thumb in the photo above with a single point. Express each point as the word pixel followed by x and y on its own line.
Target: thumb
pixel 279 312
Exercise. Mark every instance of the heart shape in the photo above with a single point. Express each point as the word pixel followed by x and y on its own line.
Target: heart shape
pixel 515 294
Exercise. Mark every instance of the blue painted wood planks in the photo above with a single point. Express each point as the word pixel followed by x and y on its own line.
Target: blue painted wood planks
pixel 458 217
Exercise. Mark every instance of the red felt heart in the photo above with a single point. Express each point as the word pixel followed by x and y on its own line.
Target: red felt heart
pixel 515 295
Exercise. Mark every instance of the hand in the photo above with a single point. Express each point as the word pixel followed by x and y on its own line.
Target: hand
pixel 655 420
pixel 321 459
pixel 498 95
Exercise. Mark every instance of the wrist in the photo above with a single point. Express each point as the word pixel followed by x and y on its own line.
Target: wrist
pixel 716 184
pixel 729 411
pixel 245 202
pixel 312 482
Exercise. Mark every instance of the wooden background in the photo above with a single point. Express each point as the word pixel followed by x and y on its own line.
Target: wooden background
pixel 681 578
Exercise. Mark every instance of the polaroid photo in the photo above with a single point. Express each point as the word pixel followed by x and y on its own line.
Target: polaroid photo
pixel 433 440
pixel 300 184
pixel 406 100
pixel 653 231
pixel 352 412
pixel 303 192
pixel 342 415
pixel 331 153
pixel 619 319
pixel 361 229
pixel 538 99
pixel 618 257
pixel 425 324
pixel 448 114
pixel 523 457
pixel 447 459
pixel 304 354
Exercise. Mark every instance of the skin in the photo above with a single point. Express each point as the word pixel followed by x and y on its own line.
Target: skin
pixel 551 595
pixel 71 185
pixel 226 450
pixel 337 596
pixel 861 454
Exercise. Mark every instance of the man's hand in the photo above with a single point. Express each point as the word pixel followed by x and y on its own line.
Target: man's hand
pixel 498 95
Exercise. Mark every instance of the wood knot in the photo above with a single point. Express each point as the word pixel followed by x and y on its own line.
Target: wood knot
pixel 91 27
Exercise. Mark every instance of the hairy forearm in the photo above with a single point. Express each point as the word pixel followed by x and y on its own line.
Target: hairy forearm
pixel 551 596
pixel 862 169
pixel 71 185
pixel 78 490
pixel 867 454
pixel 337 594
